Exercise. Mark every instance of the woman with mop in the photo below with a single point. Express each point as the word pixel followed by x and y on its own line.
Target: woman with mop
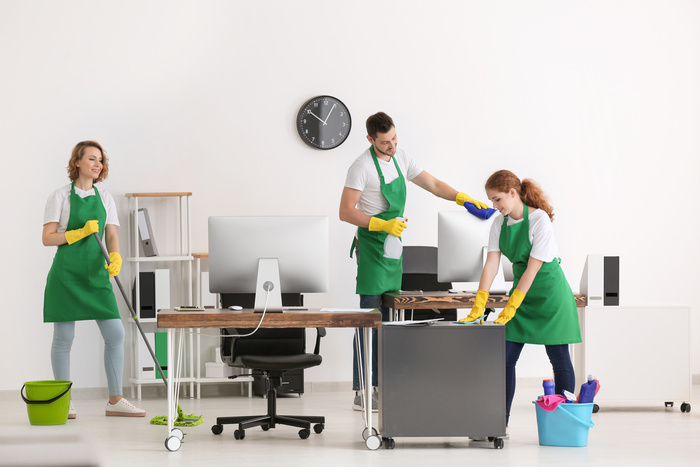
pixel 78 287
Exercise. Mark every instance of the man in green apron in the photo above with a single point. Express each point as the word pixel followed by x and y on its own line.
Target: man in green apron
pixel 373 197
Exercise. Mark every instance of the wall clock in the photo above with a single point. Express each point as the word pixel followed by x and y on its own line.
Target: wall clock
pixel 323 122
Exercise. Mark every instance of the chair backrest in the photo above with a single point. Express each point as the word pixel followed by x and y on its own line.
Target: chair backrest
pixel 420 273
pixel 265 342
pixel 420 269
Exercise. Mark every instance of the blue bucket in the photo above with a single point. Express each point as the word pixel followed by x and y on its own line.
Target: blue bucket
pixel 567 425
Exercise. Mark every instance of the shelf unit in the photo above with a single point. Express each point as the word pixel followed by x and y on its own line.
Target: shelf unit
pixel 183 257
pixel 199 379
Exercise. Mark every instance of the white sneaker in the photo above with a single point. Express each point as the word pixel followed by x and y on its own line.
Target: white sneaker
pixel 71 411
pixel 124 408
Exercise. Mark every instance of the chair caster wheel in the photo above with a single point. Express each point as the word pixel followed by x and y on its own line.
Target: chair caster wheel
pixel 265 427
pixel 239 434
pixel 318 428
pixel 217 429
pixel 303 434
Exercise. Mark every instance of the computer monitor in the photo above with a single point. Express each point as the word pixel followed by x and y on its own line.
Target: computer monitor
pixel 462 246
pixel 268 256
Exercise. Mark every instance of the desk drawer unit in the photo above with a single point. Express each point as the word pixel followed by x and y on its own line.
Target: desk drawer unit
pixel 442 380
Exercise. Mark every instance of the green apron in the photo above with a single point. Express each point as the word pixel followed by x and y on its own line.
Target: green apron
pixel 548 313
pixel 78 286
pixel 375 273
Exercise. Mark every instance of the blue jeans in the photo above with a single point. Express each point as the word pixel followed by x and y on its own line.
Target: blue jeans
pixel 368 301
pixel 113 334
pixel 564 377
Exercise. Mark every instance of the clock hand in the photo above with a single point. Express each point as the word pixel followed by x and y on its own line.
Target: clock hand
pixel 319 118
pixel 329 114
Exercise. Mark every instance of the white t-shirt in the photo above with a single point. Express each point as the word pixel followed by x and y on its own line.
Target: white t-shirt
pixel 58 206
pixel 362 175
pixel 544 247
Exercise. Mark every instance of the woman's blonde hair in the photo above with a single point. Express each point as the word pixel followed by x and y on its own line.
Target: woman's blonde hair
pixel 78 152
pixel 530 193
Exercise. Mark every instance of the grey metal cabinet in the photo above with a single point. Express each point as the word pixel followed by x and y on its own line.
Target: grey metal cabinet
pixel 442 380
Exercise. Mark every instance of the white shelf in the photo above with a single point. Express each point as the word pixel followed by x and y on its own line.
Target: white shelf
pixel 238 379
pixel 183 258
pixel 155 259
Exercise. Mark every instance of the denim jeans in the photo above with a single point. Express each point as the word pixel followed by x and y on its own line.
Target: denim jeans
pixel 368 301
pixel 564 377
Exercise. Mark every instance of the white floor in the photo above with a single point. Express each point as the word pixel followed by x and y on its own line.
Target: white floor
pixel 629 435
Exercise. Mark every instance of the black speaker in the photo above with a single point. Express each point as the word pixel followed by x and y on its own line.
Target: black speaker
pixel 611 280
pixel 147 295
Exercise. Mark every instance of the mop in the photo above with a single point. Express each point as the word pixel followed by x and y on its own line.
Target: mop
pixel 182 419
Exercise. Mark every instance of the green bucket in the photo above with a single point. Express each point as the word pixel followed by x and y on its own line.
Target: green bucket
pixel 47 401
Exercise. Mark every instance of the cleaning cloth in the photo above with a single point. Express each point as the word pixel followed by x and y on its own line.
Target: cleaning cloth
pixel 484 213
pixel 550 402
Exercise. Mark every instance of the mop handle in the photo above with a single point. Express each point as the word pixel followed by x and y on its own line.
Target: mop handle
pixel 131 310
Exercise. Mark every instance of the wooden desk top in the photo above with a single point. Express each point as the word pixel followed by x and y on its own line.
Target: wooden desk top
pixel 311 318
pixel 446 300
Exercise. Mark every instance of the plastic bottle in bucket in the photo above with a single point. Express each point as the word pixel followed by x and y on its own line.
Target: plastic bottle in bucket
pixel 548 385
pixel 588 390
pixel 393 248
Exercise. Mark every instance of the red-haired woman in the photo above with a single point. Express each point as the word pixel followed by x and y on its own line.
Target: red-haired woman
pixel 78 287
pixel 541 308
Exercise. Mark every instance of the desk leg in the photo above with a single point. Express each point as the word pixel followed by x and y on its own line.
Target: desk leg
pixel 175 435
pixel 373 440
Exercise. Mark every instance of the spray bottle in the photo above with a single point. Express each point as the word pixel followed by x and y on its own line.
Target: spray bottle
pixel 393 248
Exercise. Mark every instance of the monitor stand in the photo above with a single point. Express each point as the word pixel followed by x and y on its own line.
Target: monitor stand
pixel 267 286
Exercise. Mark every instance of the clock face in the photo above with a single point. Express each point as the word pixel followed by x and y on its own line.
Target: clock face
pixel 323 122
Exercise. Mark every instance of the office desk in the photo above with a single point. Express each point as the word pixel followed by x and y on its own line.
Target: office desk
pixel 446 300
pixel 217 318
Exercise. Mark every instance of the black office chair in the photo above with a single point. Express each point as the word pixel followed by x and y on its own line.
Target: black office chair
pixel 270 353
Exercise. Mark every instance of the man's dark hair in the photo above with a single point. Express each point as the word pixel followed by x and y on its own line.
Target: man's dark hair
pixel 379 123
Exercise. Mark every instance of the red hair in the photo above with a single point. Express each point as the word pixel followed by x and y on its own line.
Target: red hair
pixel 530 193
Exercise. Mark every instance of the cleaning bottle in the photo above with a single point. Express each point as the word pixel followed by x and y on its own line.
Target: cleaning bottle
pixel 392 244
pixel 548 385
pixel 588 390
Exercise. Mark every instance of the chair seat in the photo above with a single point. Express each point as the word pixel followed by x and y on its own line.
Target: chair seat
pixel 278 362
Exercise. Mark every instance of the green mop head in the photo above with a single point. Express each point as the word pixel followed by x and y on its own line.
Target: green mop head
pixel 181 420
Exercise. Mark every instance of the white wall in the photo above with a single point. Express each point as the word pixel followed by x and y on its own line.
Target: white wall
pixel 598 101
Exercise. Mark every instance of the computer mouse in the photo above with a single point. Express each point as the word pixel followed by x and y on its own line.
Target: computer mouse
pixel 235 307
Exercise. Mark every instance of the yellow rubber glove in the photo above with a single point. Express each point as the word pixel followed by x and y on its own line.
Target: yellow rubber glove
pixel 478 308
pixel 392 226
pixel 115 264
pixel 465 198
pixel 508 312
pixel 89 228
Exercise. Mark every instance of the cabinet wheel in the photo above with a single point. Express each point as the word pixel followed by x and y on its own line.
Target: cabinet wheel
pixel 498 443
pixel 685 407
pixel 668 404
pixel 389 443
pixel 217 429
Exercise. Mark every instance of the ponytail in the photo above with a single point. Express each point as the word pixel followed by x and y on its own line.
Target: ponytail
pixel 530 193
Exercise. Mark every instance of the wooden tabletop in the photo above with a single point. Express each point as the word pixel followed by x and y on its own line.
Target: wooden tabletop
pixel 446 300
pixel 311 318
